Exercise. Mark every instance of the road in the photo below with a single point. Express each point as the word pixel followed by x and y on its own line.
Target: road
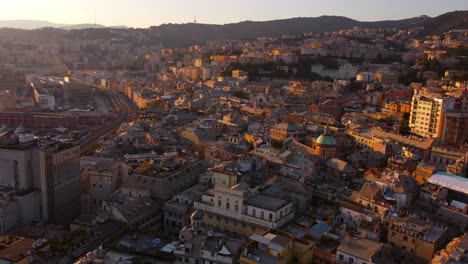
pixel 126 111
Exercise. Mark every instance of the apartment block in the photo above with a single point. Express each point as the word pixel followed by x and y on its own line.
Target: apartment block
pixel 428 113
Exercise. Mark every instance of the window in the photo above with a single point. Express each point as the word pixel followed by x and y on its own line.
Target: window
pixel 219 203
pixel 236 207
pixel 244 225
pixel 393 234
pixel 350 260
pixel 228 205
pixel 341 257
pixel 186 260
pixel 270 216
pixel 414 241
pixel 405 238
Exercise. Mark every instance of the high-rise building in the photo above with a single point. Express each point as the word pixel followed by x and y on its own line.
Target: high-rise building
pixel 455 132
pixel 428 112
pixel 59 176
pixel 52 168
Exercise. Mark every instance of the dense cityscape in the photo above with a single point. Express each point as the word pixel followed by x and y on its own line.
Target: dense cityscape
pixel 343 146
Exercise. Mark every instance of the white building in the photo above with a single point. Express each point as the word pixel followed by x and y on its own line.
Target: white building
pixel 365 77
pixel 238 209
pixel 427 113
pixel 345 72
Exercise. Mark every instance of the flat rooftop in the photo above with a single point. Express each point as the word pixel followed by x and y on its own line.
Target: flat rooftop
pixel 266 202
pixel 450 181
pixel 359 247
pixel 18 250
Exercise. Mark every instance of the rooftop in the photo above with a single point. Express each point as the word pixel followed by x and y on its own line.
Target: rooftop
pixel 266 202
pixel 450 181
pixel 18 250
pixel 362 248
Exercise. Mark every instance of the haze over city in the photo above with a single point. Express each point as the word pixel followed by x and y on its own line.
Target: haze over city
pixel 144 13
pixel 234 132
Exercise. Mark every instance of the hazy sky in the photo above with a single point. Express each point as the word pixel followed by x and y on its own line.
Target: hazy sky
pixel 143 13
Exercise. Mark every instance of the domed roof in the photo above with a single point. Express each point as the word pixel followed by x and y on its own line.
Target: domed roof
pixel 197 216
pixel 326 139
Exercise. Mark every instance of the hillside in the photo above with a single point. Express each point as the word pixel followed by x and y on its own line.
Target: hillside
pixel 85 26
pixel 38 24
pixel 182 35
pixel 185 33
pixel 446 22
pixel 28 24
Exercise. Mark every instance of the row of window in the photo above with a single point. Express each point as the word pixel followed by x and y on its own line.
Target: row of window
pixel 234 223
pixel 350 259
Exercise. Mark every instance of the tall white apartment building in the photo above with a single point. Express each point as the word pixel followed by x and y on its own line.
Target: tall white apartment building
pixel 427 113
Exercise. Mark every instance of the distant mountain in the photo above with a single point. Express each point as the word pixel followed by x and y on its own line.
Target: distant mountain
pixel 85 26
pixel 445 22
pixel 191 33
pixel 198 33
pixel 82 26
pixel 36 24
pixel 28 24
pixel 183 35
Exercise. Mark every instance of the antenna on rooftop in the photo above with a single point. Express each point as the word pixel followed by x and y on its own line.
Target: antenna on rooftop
pixel 195 19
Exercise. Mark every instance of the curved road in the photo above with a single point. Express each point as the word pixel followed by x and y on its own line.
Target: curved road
pixel 126 111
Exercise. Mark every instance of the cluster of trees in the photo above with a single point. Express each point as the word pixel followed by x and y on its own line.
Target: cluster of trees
pixel 273 69
pixel 70 242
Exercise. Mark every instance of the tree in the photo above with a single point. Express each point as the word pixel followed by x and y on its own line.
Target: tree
pixel 404 124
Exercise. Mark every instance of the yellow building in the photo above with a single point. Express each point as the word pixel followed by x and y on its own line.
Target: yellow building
pixel 275 246
pixel 416 236
pixel 237 208
pixel 387 77
pixel 282 131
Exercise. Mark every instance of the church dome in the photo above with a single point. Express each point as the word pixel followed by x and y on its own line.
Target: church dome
pixel 326 139
pixel 196 216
